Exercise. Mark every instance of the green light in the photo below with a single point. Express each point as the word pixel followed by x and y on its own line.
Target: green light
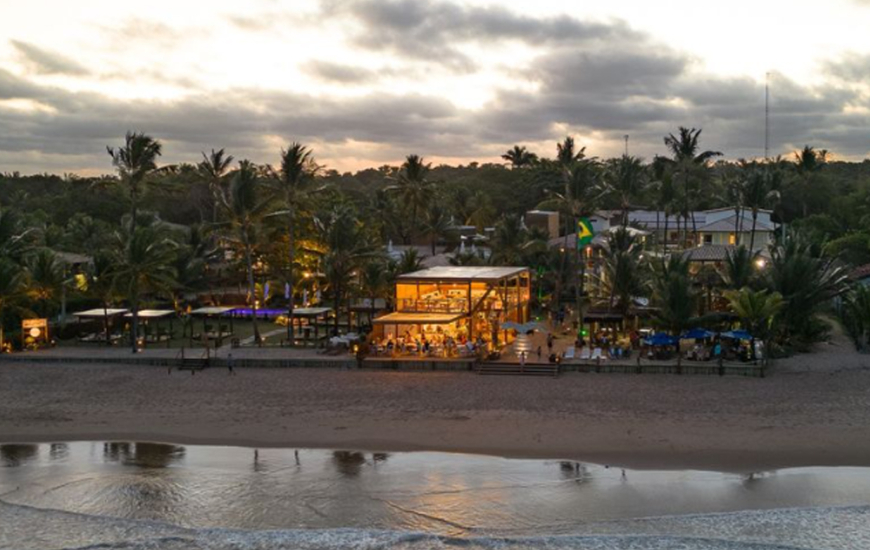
pixel 584 332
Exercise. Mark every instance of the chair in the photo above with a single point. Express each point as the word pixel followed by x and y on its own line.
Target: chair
pixel 585 353
pixel 569 352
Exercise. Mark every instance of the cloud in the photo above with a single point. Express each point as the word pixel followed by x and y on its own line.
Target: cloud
pixel 336 72
pixel 852 67
pixel 42 61
pixel 435 31
pixel 599 81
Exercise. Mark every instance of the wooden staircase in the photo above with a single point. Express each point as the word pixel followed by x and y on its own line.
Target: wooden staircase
pixel 515 369
pixel 192 363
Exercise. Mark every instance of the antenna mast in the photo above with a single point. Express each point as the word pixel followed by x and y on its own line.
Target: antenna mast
pixel 626 144
pixel 766 115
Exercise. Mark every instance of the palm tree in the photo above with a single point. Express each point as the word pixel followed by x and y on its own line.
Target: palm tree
pixel 213 170
pixel 191 261
pixel 738 270
pixel 100 283
pixel 665 198
pixel 520 157
pixel 808 163
pixel 135 161
pixel 414 190
pixel 409 262
pixel 45 278
pixel 732 187
pixel 807 281
pixel 689 165
pixel 625 178
pixel 674 297
pixel 145 261
pixel 293 186
pixel 759 189
pixel 508 241
pixel 623 270
pixel 347 249
pixel 580 197
pixel 373 280
pixel 244 209
pixel 439 224
pixel 756 310
pixel 12 291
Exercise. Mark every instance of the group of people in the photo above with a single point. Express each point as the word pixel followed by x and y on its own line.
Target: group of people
pixel 425 344
pixel 719 350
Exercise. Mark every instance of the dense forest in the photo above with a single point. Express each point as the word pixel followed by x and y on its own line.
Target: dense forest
pixel 163 232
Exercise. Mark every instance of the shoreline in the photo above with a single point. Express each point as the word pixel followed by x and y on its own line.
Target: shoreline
pixel 813 410
pixel 709 461
pixel 660 422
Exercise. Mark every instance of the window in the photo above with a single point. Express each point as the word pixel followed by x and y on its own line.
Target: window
pixel 708 239
pixel 732 239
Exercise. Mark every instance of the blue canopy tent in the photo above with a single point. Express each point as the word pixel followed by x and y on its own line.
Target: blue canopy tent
pixel 737 335
pixel 661 339
pixel 697 334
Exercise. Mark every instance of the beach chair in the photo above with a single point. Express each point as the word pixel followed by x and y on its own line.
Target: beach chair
pixel 585 353
pixel 597 354
pixel 569 353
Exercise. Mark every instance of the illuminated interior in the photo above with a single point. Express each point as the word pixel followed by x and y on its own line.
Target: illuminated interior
pixel 453 306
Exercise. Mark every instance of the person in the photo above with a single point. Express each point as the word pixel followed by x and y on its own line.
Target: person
pixel 550 343
pixel 523 358
pixel 230 364
pixel 539 353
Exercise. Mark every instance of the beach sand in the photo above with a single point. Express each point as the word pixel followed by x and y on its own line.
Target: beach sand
pixel 811 410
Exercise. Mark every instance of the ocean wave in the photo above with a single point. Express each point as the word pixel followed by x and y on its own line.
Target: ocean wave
pixel 835 528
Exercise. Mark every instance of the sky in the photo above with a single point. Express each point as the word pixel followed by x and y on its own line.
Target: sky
pixel 367 82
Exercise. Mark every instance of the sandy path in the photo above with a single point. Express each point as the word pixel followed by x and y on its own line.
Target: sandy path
pixel 798 416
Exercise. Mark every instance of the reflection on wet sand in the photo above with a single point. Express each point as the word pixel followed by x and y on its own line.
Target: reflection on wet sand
pixel 13 454
pixel 145 455
pixel 459 495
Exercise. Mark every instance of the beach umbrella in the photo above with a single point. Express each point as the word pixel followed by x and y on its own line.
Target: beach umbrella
pixel 661 339
pixel 697 334
pixel 739 334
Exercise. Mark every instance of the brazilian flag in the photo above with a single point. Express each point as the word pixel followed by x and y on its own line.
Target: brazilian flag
pixel 585 233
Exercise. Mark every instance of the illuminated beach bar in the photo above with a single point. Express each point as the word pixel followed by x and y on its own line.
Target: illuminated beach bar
pixel 453 305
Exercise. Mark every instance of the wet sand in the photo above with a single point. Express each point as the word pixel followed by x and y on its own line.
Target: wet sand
pixel 812 410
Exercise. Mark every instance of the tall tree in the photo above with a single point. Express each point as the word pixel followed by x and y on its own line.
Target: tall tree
pixel 100 283
pixel 520 157
pixel 145 261
pixel 739 268
pixel 625 178
pixel 348 248
pixel 808 163
pixel 756 310
pixel 579 197
pixel 689 166
pixel 760 188
pixel 244 208
pixel 213 170
pixel 623 270
pixel 674 297
pixel 45 279
pixel 807 281
pixel 413 188
pixel 293 185
pixel 135 161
